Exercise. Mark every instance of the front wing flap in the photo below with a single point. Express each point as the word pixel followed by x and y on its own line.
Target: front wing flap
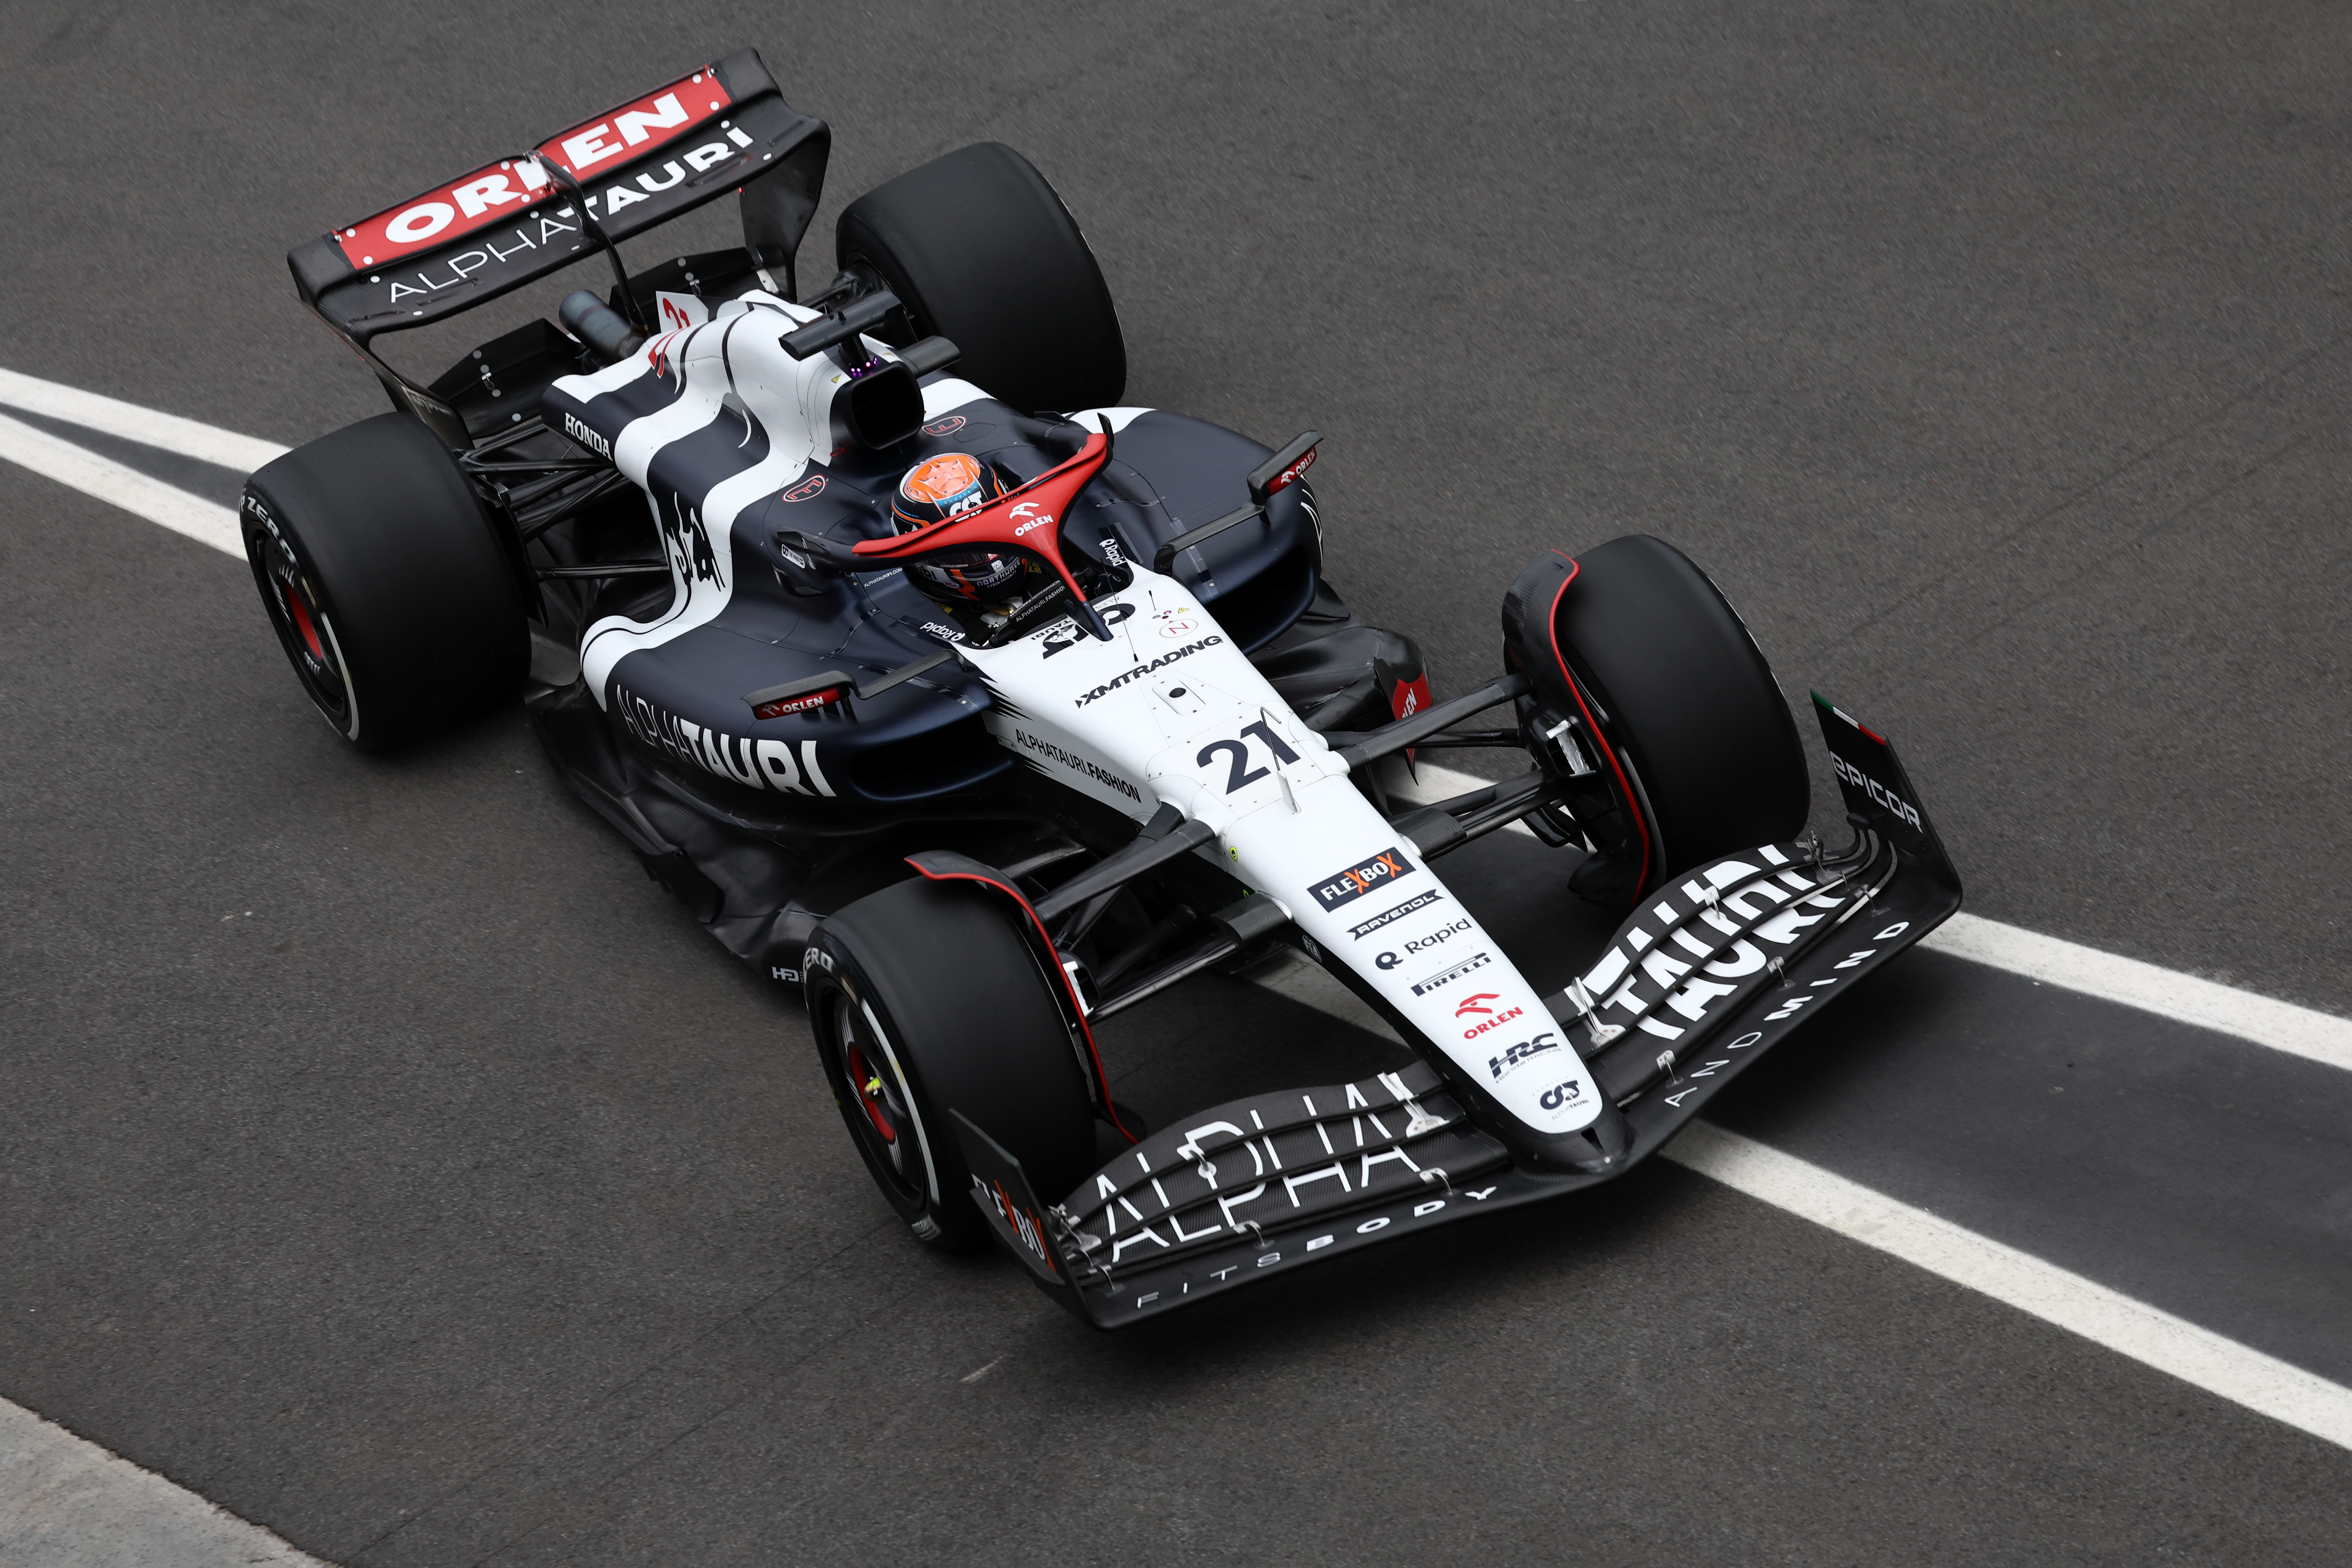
pixel 1248 1189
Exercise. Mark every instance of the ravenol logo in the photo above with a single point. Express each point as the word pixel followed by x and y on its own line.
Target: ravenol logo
pixel 1345 886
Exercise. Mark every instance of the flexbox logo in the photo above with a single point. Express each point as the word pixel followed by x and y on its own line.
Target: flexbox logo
pixel 1345 886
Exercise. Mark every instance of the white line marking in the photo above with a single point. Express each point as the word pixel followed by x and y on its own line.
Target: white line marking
pixel 2111 977
pixel 203 520
pixel 2153 1338
pixel 65 1502
pixel 2205 1004
pixel 205 442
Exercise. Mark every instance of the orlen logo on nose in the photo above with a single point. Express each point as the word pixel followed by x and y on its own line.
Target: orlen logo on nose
pixel 1473 1003
pixel 1497 1022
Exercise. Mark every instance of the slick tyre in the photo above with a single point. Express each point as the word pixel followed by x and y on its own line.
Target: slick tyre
pixel 381 573
pixel 1688 702
pixel 982 251
pixel 924 998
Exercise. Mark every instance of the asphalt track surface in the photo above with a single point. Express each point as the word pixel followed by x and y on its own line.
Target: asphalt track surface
pixel 461 1201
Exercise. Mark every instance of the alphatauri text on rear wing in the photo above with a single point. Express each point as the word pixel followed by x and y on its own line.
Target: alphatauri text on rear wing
pixel 724 127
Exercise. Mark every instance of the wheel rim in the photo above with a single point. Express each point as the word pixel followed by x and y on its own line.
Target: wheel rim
pixel 880 1118
pixel 309 636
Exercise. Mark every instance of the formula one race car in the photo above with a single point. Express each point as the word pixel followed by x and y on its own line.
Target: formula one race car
pixel 976 707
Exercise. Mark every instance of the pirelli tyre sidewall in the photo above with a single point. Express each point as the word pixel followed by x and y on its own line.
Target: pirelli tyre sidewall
pixel 924 998
pixel 1688 702
pixel 384 583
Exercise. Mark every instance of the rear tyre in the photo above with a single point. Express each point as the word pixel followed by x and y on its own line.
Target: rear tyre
pixel 1689 703
pixel 980 251
pixel 925 998
pixel 384 582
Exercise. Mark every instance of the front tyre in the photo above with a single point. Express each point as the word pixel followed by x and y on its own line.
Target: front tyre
pixel 1702 739
pixel 924 998
pixel 385 584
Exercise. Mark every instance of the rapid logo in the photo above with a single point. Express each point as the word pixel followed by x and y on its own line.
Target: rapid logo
pixel 1448 976
pixel 1389 917
pixel 1345 886
pixel 1514 1055
pixel 1437 938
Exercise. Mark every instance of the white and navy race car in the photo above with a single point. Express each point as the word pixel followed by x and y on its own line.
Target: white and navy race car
pixel 976 707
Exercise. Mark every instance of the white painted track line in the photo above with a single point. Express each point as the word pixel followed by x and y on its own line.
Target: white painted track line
pixel 2203 1004
pixel 207 522
pixel 2206 1004
pixel 205 442
pixel 2153 1338
pixel 68 1503
pixel 2109 976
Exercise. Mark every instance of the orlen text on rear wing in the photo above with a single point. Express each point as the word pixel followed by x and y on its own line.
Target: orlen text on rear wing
pixel 725 127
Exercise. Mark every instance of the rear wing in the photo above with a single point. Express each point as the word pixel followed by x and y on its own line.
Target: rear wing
pixel 725 127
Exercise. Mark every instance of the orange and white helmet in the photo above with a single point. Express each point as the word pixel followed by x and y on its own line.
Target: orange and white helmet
pixel 936 489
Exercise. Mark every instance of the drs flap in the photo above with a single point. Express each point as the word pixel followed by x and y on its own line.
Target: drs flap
pixel 722 127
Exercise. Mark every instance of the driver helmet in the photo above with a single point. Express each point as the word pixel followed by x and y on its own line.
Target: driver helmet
pixel 944 486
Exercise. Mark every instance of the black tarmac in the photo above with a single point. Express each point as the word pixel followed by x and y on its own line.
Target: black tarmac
pixel 383 1156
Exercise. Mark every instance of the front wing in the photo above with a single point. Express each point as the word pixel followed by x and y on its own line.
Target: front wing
pixel 1248 1189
